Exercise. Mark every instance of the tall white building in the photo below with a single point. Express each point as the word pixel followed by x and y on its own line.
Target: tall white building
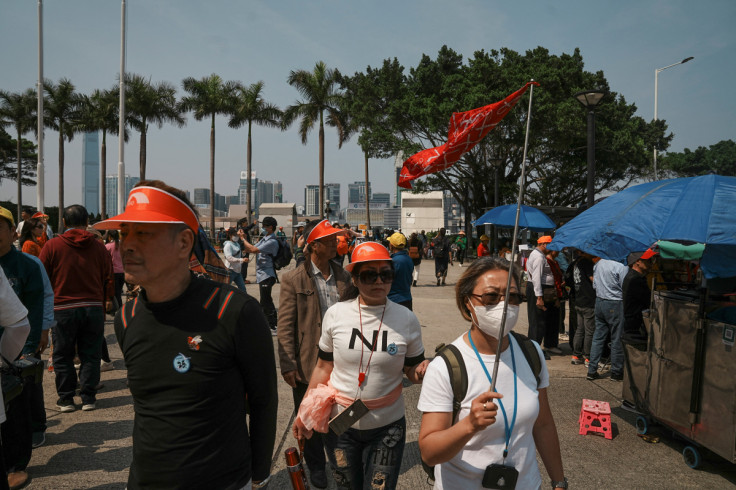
pixel 311 199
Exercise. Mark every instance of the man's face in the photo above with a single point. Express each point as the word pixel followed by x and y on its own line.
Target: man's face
pixel 645 266
pixel 151 253
pixel 7 236
pixel 325 248
pixel 24 215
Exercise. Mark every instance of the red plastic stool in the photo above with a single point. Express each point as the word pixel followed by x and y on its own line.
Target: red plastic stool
pixel 595 418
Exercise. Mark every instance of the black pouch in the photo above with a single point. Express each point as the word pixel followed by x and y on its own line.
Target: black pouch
pixel 500 477
pixel 29 368
pixel 12 386
pixel 345 419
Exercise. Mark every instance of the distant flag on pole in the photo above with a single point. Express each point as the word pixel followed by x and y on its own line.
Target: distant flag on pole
pixel 465 131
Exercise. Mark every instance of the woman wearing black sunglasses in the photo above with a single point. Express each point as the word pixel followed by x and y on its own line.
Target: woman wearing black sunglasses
pixel 29 236
pixel 495 434
pixel 367 345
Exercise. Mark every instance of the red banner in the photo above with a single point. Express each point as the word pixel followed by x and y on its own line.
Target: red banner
pixel 465 131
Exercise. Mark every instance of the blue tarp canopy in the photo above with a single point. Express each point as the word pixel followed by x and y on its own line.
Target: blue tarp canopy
pixel 505 216
pixel 691 210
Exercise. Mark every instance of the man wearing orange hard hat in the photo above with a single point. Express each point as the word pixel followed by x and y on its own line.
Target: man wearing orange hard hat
pixel 306 294
pixel 194 350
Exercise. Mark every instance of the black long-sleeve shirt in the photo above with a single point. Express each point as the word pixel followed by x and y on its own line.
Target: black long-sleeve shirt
pixel 636 295
pixel 190 375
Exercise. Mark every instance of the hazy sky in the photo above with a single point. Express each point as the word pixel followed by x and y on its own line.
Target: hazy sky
pixel 169 40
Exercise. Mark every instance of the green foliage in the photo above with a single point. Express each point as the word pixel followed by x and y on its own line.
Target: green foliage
pixel 412 112
pixel 9 160
pixel 719 159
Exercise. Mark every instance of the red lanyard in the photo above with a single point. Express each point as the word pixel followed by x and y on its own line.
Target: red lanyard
pixel 361 373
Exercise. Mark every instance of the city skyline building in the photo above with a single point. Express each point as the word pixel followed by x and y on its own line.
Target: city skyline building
pixel 356 192
pixel 111 191
pixel 381 198
pixel 311 199
pixel 91 172
pixel 262 191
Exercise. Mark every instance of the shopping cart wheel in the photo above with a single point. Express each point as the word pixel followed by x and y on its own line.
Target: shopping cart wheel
pixel 691 455
pixel 642 425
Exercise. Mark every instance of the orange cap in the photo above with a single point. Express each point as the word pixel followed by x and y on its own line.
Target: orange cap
pixel 321 230
pixel 40 215
pixel 367 252
pixel 152 205
pixel 544 239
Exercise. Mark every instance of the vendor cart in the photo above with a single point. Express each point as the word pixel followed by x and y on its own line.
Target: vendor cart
pixel 684 377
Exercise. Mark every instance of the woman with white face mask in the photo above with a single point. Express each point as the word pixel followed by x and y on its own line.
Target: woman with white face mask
pixel 495 434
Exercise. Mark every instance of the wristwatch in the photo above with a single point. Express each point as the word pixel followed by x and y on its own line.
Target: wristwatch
pixel 560 484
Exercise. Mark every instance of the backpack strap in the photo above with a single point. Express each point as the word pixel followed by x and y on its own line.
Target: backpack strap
pixel 530 352
pixel 458 376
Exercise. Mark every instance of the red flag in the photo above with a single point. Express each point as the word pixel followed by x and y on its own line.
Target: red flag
pixel 465 131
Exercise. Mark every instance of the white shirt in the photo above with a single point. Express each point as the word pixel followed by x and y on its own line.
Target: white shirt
pixel 400 337
pixel 465 470
pixel 539 271
pixel 16 327
pixel 232 253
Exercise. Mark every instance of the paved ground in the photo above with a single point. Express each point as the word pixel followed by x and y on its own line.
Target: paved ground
pixel 93 449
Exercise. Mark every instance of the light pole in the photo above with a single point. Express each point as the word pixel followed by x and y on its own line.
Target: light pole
pixel 590 99
pixel 656 82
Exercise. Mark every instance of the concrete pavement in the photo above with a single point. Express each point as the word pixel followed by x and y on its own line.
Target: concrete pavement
pixel 93 449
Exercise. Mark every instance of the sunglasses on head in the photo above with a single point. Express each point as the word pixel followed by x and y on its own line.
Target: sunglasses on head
pixel 492 299
pixel 371 276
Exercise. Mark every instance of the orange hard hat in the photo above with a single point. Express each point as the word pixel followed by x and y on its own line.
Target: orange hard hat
pixel 321 230
pixel 367 252
pixel 152 205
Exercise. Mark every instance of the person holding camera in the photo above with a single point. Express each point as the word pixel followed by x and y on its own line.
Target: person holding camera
pixel 494 436
pixel 368 343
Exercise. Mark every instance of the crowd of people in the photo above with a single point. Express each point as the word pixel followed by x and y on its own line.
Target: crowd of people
pixel 199 352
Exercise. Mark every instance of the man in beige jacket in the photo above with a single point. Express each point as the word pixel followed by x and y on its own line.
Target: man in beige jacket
pixel 306 294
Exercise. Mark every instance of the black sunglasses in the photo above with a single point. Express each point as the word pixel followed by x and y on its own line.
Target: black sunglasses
pixel 491 299
pixel 370 276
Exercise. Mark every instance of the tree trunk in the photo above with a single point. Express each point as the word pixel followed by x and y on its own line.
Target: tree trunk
pixel 143 151
pixel 321 167
pixel 103 176
pixel 61 178
pixel 20 179
pixel 212 179
pixel 248 153
pixel 367 197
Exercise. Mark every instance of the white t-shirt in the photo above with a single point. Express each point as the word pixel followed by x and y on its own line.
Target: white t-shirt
pixel 466 469
pixel 400 337
pixel 12 315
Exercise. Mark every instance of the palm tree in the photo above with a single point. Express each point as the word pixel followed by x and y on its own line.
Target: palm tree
pixel 319 88
pixel 18 110
pixel 249 107
pixel 62 111
pixel 100 113
pixel 148 103
pixel 208 97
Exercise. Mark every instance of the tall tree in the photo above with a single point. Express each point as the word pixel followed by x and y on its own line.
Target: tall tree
pixel 248 108
pixel 18 109
pixel 62 113
pixel 146 103
pixel 100 113
pixel 320 91
pixel 9 157
pixel 719 159
pixel 208 97
pixel 367 107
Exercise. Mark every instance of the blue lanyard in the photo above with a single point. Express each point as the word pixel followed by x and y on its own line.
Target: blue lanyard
pixel 508 429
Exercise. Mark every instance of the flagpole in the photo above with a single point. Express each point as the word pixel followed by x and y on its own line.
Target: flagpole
pixel 121 115
pixel 39 162
pixel 522 183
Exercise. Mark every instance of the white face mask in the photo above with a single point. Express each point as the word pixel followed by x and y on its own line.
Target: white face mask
pixel 488 318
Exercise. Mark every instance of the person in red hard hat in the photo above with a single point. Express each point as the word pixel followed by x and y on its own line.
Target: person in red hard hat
pixel 195 350
pixel 368 343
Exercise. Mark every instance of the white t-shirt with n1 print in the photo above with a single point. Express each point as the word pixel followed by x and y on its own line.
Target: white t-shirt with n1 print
pixel 400 337
pixel 12 316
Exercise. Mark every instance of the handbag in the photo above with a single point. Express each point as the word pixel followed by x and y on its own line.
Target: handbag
pixel 549 295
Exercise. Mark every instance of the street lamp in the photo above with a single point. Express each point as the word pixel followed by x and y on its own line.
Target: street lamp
pixel 590 99
pixel 656 82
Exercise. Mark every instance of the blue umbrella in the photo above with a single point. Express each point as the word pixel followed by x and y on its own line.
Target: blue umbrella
pixel 694 209
pixel 505 216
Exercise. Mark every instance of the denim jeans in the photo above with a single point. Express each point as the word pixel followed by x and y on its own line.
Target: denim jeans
pixel 79 329
pixel 585 331
pixel 237 278
pixel 364 459
pixel 609 317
